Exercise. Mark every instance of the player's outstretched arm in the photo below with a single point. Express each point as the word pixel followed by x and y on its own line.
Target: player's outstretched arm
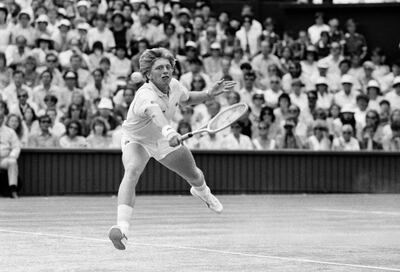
pixel 218 88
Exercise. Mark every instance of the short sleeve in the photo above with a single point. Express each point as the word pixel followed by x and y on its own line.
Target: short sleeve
pixel 144 99
pixel 184 92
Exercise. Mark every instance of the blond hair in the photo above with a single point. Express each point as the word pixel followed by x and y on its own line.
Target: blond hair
pixel 149 56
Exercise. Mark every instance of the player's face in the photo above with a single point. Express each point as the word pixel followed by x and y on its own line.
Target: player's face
pixel 161 73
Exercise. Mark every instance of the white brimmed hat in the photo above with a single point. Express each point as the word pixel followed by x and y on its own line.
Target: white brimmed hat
pixel 346 79
pixel 105 103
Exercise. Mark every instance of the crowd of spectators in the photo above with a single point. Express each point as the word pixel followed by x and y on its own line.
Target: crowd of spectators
pixel 69 71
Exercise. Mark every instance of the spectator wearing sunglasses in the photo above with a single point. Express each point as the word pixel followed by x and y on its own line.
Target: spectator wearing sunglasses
pixel 23 104
pixel 263 140
pixel 273 93
pixel 73 137
pixel 289 139
pixel 45 139
pixel 319 140
pixel 347 141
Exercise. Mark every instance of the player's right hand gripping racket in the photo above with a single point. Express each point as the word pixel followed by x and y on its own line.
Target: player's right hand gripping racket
pixel 221 121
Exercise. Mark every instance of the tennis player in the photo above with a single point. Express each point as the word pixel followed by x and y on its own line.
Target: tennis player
pixel 147 133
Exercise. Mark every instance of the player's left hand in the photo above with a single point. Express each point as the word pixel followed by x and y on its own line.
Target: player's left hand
pixel 220 87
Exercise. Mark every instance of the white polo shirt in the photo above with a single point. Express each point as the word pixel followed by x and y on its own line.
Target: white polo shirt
pixel 138 125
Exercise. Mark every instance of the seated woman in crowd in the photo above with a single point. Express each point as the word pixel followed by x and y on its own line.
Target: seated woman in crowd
pixel 73 136
pixel 263 141
pixel 98 137
pixel 14 121
pixel 319 140
pixel 347 141
pixel 30 121
pixel 183 128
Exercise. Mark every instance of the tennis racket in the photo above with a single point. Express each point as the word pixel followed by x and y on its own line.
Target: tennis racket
pixel 221 121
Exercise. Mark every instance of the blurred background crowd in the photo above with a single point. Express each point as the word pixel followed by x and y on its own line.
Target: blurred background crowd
pixel 69 71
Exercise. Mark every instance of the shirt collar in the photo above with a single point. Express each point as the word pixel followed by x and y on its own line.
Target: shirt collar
pixel 158 92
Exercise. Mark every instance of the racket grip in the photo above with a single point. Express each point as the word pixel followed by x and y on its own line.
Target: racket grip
pixel 187 136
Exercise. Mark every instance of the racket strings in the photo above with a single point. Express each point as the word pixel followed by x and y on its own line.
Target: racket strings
pixel 227 117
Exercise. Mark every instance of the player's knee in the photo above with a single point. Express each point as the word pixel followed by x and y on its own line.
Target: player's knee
pixel 11 162
pixel 132 171
pixel 197 176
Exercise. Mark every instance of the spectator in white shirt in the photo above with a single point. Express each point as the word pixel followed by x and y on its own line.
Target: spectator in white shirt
pixel 314 31
pixel 10 149
pixel 319 140
pixel 235 139
pixel 262 61
pixel 248 89
pixel 361 110
pixel 273 93
pixel 346 142
pixel 394 96
pixel 211 141
pixel 264 141
pixel 374 95
pixel 297 95
pixel 387 80
pixel 347 95
pixel 325 98
pixel 101 33
pixel 289 139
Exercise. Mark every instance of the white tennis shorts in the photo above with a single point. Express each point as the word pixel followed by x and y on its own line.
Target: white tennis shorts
pixel 157 149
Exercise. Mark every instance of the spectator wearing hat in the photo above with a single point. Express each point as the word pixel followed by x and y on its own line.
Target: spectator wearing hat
pixel 355 42
pixel 62 35
pixel 347 95
pixel 289 138
pixel 319 141
pixel 183 20
pixel 44 139
pixel 374 95
pixel 98 137
pixel 101 33
pixel 213 63
pixel 196 66
pixel 248 35
pixel 105 109
pixel 73 136
pixel 41 26
pixel 82 8
pixel 322 72
pixel 71 85
pixel 347 141
pixel 262 61
pixel 325 98
pixel 17 52
pixel 394 95
pixel 235 139
pixel 44 46
pixel 263 141
pixel 346 117
pixel 297 94
pixel 10 93
pixel 24 28
pixel 5 30
pixel 314 31
pixel 10 149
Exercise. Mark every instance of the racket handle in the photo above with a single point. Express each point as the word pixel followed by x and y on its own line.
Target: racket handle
pixel 187 136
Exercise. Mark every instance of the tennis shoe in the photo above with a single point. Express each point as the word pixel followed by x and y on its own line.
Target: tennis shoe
pixel 117 237
pixel 211 201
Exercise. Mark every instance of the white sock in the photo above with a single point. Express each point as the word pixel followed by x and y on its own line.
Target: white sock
pixel 201 188
pixel 124 217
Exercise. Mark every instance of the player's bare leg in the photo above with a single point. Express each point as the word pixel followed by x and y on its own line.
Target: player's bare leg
pixel 134 159
pixel 181 161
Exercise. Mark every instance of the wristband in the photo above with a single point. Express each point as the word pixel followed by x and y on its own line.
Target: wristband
pixel 166 130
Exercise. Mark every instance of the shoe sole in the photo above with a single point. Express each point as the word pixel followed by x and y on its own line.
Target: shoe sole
pixel 116 236
pixel 193 192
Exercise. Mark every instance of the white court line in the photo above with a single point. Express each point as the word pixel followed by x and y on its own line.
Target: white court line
pixel 209 250
pixel 358 211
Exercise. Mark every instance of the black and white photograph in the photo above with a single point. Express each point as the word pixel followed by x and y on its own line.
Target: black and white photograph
pixel 199 135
